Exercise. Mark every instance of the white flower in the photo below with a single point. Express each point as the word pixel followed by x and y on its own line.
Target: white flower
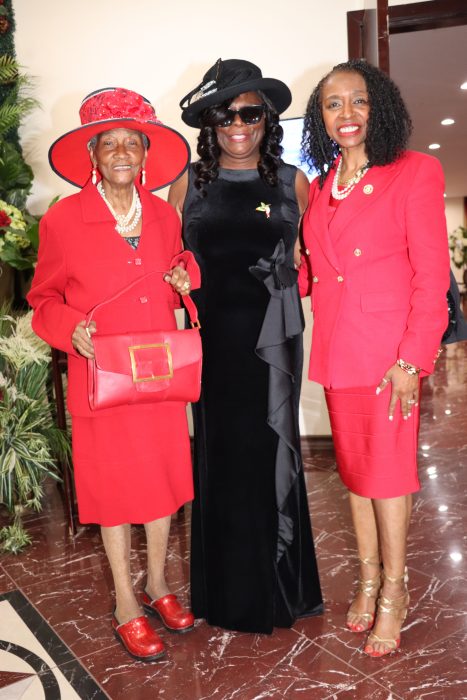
pixel 23 347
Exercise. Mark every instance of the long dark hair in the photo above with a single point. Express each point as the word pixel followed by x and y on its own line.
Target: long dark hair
pixel 389 123
pixel 207 167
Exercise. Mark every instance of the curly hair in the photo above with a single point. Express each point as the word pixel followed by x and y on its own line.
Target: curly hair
pixel 389 124
pixel 207 167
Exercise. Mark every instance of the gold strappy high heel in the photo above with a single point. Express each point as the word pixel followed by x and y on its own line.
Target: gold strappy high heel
pixel 397 607
pixel 370 588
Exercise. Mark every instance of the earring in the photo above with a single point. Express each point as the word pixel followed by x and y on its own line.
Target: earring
pixel 143 176
pixel 94 176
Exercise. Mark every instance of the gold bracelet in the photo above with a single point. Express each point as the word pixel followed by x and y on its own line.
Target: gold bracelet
pixel 407 367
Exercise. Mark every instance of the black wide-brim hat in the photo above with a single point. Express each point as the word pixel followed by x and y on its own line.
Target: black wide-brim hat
pixel 118 108
pixel 227 79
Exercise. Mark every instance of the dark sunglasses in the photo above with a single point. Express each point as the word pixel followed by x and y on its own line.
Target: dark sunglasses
pixel 250 114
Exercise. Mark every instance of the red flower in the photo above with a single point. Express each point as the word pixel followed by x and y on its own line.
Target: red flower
pixel 116 104
pixel 4 219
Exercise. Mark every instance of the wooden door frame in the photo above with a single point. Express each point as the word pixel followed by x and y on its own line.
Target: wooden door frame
pixel 411 17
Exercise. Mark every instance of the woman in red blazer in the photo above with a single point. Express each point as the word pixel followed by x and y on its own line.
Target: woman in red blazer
pixel 378 267
pixel 132 463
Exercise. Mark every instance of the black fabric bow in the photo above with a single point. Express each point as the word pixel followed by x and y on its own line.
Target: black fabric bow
pixel 282 322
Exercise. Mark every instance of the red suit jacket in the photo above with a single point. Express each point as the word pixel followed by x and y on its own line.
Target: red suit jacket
pixel 82 260
pixel 378 272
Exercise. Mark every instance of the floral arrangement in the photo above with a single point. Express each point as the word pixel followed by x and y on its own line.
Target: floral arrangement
pixel 30 441
pixel 19 237
pixel 458 246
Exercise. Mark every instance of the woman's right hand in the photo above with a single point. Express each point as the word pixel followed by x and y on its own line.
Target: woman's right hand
pixel 404 388
pixel 81 339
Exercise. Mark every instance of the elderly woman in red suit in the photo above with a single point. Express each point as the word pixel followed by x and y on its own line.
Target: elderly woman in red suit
pixel 131 464
pixel 378 267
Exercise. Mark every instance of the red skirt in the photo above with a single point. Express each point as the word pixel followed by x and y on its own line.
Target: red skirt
pixel 132 465
pixel 376 457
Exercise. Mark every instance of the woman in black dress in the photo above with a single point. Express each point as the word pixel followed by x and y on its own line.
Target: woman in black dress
pixel 253 564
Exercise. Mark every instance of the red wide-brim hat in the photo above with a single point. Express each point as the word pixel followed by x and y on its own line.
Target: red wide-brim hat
pixel 119 108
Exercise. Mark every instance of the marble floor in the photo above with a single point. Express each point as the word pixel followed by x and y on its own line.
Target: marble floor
pixel 55 601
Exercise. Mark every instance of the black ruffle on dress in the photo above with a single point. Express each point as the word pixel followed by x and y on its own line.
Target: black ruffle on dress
pixel 253 563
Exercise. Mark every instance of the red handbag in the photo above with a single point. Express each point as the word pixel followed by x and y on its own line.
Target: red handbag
pixel 146 366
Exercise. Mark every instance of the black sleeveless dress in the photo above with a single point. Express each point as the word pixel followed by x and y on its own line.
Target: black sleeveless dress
pixel 253 564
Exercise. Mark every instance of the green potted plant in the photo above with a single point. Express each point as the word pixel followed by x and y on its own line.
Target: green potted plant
pixel 30 441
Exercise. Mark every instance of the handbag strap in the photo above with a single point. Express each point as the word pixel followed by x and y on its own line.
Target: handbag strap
pixel 187 300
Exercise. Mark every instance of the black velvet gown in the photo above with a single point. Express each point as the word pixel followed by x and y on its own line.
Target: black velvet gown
pixel 253 564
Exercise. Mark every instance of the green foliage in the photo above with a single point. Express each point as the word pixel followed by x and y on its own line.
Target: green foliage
pixel 14 538
pixel 30 442
pixel 7 48
pixel 8 69
pixel 15 176
pixel 18 102
pixel 18 248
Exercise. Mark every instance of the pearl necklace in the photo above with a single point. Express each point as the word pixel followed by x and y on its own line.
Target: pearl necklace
pixel 350 184
pixel 123 224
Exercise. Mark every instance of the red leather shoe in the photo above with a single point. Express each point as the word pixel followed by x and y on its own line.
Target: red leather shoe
pixel 139 639
pixel 172 615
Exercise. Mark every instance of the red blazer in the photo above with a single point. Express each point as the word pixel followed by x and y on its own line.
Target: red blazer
pixel 379 273
pixel 82 260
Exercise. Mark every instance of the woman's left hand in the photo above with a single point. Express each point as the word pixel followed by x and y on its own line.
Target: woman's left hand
pixel 179 278
pixel 404 388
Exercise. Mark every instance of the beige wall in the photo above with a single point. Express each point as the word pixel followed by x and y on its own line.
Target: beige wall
pixel 454 213
pixel 161 49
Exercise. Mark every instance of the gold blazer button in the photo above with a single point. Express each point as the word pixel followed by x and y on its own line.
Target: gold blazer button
pixel 340 278
pixel 368 189
pixel 315 279
pixel 357 252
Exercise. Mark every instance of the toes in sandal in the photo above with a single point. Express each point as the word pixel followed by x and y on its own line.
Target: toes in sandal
pixel 397 608
pixel 370 588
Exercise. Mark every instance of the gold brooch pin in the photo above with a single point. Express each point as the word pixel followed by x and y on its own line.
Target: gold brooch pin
pixel 266 208
pixel 368 189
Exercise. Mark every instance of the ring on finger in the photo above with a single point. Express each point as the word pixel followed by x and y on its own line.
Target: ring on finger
pixel 186 285
pixel 410 401
pixel 384 380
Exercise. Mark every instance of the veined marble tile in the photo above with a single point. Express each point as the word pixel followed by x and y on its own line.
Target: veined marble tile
pixel 435 671
pixel 30 648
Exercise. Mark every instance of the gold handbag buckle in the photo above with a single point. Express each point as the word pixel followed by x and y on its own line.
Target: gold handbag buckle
pixel 152 378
